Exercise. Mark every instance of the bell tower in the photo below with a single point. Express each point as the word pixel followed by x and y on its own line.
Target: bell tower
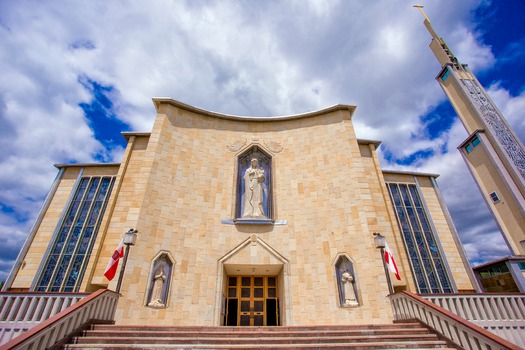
pixel 493 153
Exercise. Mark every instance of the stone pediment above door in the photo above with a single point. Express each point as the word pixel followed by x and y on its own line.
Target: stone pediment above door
pixel 254 253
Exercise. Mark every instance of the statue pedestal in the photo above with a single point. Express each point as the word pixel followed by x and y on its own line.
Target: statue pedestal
pixel 253 221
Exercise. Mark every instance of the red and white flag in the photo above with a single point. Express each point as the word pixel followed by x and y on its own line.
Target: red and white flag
pixel 111 269
pixel 391 263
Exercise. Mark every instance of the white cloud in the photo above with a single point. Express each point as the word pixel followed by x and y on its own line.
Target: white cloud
pixel 469 51
pixel 246 58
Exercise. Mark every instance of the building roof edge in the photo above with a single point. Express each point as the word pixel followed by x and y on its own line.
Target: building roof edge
pixel 59 166
pixel 164 100
pixel 408 172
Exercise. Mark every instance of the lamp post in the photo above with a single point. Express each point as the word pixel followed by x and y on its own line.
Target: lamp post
pixel 130 238
pixel 380 242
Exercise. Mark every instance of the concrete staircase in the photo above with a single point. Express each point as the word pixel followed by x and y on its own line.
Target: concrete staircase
pixel 388 336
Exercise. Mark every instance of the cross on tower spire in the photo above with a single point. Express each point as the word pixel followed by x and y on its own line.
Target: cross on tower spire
pixel 439 47
pixel 423 12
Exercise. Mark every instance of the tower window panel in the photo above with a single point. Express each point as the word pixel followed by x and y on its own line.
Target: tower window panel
pixel 494 196
pixel 469 147
pixel 445 75
pixel 420 241
pixel 71 249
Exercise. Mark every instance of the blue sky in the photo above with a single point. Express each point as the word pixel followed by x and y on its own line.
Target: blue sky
pixel 76 74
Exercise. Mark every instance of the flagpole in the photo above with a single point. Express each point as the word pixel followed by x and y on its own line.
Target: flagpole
pixel 130 238
pixel 387 273
pixel 121 274
pixel 380 241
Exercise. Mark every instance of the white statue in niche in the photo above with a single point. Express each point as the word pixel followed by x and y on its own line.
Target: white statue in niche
pixel 253 191
pixel 158 287
pixel 348 288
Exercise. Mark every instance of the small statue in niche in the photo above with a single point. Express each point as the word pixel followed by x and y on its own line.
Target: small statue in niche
pixel 159 280
pixel 253 191
pixel 348 288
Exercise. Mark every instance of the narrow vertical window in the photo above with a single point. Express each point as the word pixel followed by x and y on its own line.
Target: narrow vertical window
pixel 427 264
pixel 70 251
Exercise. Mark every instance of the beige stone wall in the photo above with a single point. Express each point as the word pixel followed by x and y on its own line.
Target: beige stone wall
pixel 176 184
pixel 330 196
pixel 122 210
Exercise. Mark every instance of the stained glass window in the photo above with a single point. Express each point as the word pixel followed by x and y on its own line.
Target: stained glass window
pixel 70 251
pixel 419 238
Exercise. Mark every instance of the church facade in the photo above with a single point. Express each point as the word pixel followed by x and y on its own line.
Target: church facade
pixel 245 221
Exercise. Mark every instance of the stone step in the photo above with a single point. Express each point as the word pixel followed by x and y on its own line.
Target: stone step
pixel 356 346
pixel 256 339
pixel 397 325
pixel 147 332
pixel 385 336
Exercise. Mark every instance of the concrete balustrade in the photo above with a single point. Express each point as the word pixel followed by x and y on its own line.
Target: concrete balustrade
pixel 472 321
pixel 502 314
pixel 22 311
pixel 38 321
pixel 407 305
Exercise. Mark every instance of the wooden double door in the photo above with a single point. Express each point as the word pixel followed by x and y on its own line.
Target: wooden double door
pixel 252 301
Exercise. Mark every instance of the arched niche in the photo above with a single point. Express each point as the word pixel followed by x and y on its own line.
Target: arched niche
pixel 249 188
pixel 159 280
pixel 347 281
